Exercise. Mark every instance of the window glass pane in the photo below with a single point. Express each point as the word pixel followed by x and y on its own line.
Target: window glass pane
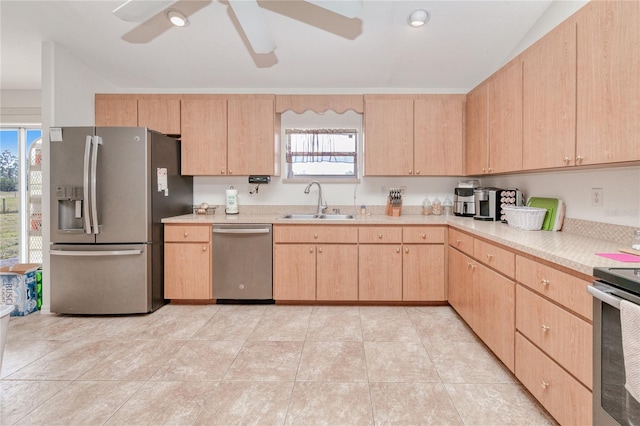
pixel 9 197
pixel 321 152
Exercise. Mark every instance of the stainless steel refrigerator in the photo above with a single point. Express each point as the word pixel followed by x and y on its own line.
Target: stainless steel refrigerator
pixel 110 189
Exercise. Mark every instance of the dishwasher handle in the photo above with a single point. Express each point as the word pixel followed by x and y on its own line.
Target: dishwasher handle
pixel 241 230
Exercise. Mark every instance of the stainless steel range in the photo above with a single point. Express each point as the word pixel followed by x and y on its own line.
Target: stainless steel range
pixel 612 403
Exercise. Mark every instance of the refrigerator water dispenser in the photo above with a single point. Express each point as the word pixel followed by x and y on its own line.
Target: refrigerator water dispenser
pixel 70 200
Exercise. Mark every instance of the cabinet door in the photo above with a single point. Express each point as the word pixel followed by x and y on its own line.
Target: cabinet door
pixel 505 118
pixel 251 136
pixel 204 136
pixel 187 271
pixel 380 272
pixel 160 114
pixel 116 110
pixel 549 100
pixel 461 285
pixel 388 136
pixel 294 272
pixel 608 82
pixel 438 135
pixel 337 272
pixel 423 273
pixel 494 312
pixel 477 131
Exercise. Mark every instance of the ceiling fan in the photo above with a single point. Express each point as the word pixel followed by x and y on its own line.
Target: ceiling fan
pixel 248 13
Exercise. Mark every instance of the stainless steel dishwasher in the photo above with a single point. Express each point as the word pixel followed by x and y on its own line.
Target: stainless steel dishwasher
pixel 242 262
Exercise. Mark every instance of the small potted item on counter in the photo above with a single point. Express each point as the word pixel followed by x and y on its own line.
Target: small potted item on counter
pixel 427 207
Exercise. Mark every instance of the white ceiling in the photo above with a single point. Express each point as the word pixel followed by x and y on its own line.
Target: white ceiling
pixel 463 43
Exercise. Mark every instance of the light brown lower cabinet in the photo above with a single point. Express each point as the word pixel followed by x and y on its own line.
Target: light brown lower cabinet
pixel 380 272
pixel 187 262
pixel 294 272
pixel 565 398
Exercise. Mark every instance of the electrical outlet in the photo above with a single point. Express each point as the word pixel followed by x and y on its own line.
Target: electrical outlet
pixel 596 197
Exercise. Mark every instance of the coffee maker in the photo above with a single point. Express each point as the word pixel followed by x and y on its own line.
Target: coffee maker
pixel 464 200
pixel 487 203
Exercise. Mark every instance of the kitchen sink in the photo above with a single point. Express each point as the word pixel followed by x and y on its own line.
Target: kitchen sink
pixel 307 216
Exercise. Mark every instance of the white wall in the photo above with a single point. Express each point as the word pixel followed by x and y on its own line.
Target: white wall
pixel 68 88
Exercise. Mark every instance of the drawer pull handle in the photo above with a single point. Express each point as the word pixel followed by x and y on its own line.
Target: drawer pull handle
pixel 379 235
pixel 545 384
pixel 545 328
pixel 458 241
pixel 423 236
pixel 406 250
pixel 315 235
pixel 544 282
pixel 186 234
pixel 398 250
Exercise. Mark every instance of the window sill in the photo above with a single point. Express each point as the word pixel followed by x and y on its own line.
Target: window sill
pixel 321 180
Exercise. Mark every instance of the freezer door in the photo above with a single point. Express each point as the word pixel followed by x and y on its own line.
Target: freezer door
pixel 97 280
pixel 122 185
pixel 70 185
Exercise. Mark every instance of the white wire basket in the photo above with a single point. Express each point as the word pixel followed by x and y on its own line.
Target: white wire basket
pixel 527 218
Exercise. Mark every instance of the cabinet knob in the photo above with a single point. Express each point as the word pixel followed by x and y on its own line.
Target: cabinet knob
pixel 423 236
pixel 579 159
pixel 315 235
pixel 406 249
pixel 222 171
pixel 566 160
pixel 473 267
pixel 544 282
pixel 380 236
pixel 398 250
pixel 204 248
pixel 545 384
pixel 319 249
pixel 230 171
pixel 458 241
pixel 484 170
pixel 410 171
pixel 489 169
pixel 417 172
pixel 489 257
pixel 311 250
pixel 545 328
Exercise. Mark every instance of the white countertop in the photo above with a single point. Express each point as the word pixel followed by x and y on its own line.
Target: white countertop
pixel 569 250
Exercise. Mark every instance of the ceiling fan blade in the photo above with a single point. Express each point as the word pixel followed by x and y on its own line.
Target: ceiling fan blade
pixel 254 25
pixel 140 10
pixel 348 8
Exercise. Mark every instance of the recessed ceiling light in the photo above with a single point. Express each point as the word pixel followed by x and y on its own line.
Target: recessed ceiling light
pixel 177 18
pixel 418 18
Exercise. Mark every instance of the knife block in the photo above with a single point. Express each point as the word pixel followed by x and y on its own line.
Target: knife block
pixel 393 209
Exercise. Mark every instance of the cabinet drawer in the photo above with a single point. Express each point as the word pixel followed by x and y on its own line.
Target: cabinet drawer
pixel 461 241
pixel 559 393
pixel 188 233
pixel 422 234
pixel 497 258
pixel 567 290
pixel 380 234
pixel 560 334
pixel 315 234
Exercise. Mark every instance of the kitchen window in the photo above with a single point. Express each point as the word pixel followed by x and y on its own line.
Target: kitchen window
pixel 322 153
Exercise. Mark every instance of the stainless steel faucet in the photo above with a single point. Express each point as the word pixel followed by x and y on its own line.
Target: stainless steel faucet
pixel 321 207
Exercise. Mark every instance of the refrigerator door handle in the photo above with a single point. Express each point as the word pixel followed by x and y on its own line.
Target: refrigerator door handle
pixel 97 140
pixel 85 186
pixel 95 253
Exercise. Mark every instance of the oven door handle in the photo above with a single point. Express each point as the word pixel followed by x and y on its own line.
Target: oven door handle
pixel 600 293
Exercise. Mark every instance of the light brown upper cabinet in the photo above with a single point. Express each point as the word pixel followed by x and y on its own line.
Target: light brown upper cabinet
pixel 608 124
pixel 253 140
pixel 494 123
pixel 204 136
pixel 116 110
pixel 549 100
pixel 157 112
pixel 438 134
pixel 413 135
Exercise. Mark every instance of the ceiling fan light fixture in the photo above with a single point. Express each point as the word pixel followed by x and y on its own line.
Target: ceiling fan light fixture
pixel 177 18
pixel 418 18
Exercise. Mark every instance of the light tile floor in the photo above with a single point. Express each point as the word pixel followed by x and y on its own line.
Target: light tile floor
pixel 258 364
